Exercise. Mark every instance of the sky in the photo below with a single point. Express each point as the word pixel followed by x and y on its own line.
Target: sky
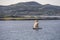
pixel 9 2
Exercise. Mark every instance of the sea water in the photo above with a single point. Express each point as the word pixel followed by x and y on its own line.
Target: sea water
pixel 23 30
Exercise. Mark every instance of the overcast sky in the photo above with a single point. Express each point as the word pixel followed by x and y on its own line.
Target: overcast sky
pixel 9 2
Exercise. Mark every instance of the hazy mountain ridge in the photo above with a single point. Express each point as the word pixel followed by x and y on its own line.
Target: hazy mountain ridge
pixel 29 8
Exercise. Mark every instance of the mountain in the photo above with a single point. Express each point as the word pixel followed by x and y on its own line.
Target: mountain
pixel 29 8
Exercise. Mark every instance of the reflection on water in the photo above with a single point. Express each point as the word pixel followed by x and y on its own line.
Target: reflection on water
pixel 23 30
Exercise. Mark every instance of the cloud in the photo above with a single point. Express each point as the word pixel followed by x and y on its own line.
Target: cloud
pixel 8 2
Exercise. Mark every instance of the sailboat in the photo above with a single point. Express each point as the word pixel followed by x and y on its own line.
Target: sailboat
pixel 36 25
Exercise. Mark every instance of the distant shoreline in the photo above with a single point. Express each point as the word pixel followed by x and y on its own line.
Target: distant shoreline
pixel 41 18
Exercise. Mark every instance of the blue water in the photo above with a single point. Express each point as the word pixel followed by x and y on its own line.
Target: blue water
pixel 23 30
